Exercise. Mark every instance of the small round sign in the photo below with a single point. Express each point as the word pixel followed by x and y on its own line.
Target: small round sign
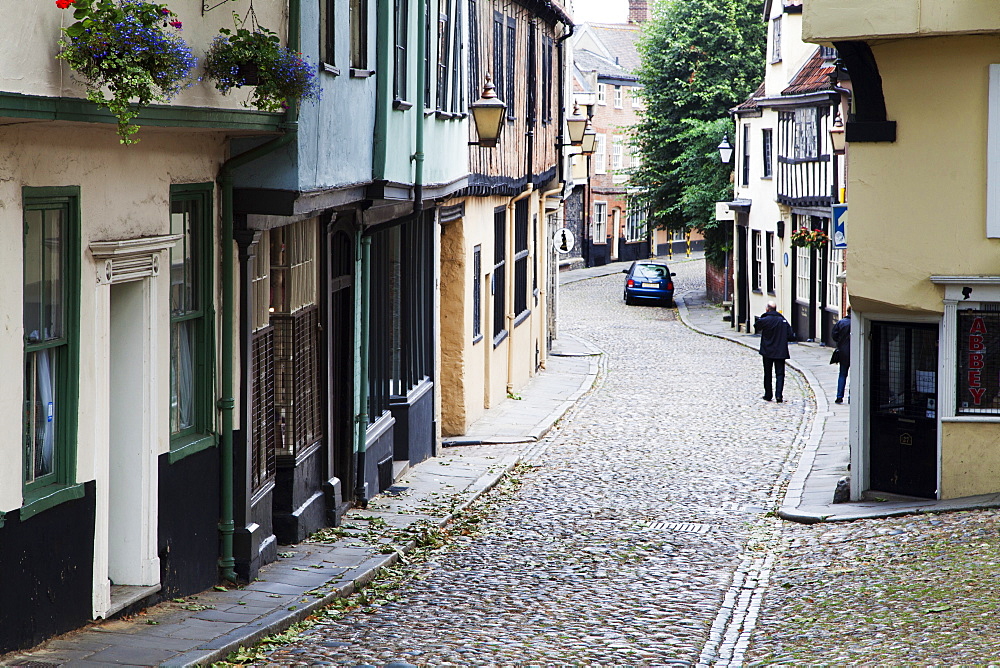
pixel 564 240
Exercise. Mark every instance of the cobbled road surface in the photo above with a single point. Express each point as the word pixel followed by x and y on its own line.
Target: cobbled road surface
pixel 623 543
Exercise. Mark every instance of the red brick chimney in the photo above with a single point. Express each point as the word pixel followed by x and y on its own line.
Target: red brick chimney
pixel 638 11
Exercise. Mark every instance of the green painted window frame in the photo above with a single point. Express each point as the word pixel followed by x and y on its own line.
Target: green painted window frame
pixel 202 433
pixel 61 485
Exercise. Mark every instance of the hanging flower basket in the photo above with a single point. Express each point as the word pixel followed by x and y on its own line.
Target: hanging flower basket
pixel 255 57
pixel 806 238
pixel 129 54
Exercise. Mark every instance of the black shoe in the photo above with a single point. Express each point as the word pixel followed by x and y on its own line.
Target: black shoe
pixel 838 401
pixel 779 400
pixel 766 398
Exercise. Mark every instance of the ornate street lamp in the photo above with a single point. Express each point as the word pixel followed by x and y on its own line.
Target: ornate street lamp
pixel 488 113
pixel 577 124
pixel 725 150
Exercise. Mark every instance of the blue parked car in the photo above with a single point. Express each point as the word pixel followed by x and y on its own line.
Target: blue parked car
pixel 649 280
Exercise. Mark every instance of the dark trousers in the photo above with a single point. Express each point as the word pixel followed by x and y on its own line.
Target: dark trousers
pixel 842 380
pixel 779 377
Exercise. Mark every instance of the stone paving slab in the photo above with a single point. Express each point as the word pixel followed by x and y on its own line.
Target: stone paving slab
pixel 283 595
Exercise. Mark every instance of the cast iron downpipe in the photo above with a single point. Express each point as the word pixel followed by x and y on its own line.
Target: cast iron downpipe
pixel 226 403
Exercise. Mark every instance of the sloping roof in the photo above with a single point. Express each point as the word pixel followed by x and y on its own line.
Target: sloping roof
pixel 813 77
pixel 588 61
pixel 621 40
pixel 751 102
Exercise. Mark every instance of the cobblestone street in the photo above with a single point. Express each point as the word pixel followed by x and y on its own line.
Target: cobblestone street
pixel 622 543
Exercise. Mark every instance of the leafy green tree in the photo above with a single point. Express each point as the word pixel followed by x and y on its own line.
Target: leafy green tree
pixel 700 58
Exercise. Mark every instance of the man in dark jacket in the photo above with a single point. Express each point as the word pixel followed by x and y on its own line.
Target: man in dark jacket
pixel 774 333
pixel 842 337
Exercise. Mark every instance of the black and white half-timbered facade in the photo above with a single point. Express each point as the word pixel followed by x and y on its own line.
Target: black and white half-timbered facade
pixel 787 179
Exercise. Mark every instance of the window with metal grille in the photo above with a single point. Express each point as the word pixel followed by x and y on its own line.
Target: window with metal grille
pixel 294 317
pixel 359 33
pixel 298 408
pixel 477 294
pixel 511 50
pixel 498 279
pixel 520 260
pixel 401 10
pixel 978 378
pixel 384 265
pixel 757 271
pixel 769 247
pixel 766 139
pixel 414 305
pixel 904 370
pixel 262 418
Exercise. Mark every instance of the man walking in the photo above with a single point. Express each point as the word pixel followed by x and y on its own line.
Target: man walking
pixel 774 333
pixel 842 337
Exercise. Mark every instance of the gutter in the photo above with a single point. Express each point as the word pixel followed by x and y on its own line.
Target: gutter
pixel 226 403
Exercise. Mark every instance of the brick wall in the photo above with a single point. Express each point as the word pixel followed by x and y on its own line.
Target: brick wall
pixel 716 281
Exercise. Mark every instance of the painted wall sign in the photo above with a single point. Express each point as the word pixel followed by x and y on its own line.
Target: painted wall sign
pixel 840 226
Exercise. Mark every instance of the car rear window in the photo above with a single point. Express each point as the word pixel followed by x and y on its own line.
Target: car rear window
pixel 651 271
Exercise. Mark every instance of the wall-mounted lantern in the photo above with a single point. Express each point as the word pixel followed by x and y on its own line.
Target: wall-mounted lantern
pixel 589 143
pixel 837 137
pixel 577 124
pixel 488 113
pixel 725 150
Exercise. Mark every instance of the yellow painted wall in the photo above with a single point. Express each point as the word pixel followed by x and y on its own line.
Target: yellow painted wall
pixel 970 462
pixel 456 329
pixel 860 19
pixel 918 204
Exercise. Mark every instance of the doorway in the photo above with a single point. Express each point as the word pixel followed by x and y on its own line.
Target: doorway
pixel 133 568
pixel 903 425
pixel 340 358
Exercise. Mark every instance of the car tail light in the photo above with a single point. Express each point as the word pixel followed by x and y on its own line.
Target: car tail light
pixel 670 285
pixel 631 283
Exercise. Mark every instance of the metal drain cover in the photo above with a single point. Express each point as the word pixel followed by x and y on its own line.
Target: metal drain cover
pixel 687 527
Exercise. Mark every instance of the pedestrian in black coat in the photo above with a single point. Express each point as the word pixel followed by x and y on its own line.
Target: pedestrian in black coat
pixel 775 332
pixel 842 337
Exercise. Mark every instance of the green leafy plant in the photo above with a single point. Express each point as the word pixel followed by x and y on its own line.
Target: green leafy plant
pixel 129 54
pixel 254 56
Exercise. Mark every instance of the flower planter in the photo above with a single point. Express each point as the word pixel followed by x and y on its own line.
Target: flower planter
pixel 248 74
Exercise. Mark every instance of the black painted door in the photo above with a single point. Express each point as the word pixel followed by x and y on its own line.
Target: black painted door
pixel 903 426
pixel 340 357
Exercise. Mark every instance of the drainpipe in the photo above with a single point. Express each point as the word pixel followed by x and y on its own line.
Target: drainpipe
pixel 418 154
pixel 360 484
pixel 510 286
pixel 226 403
